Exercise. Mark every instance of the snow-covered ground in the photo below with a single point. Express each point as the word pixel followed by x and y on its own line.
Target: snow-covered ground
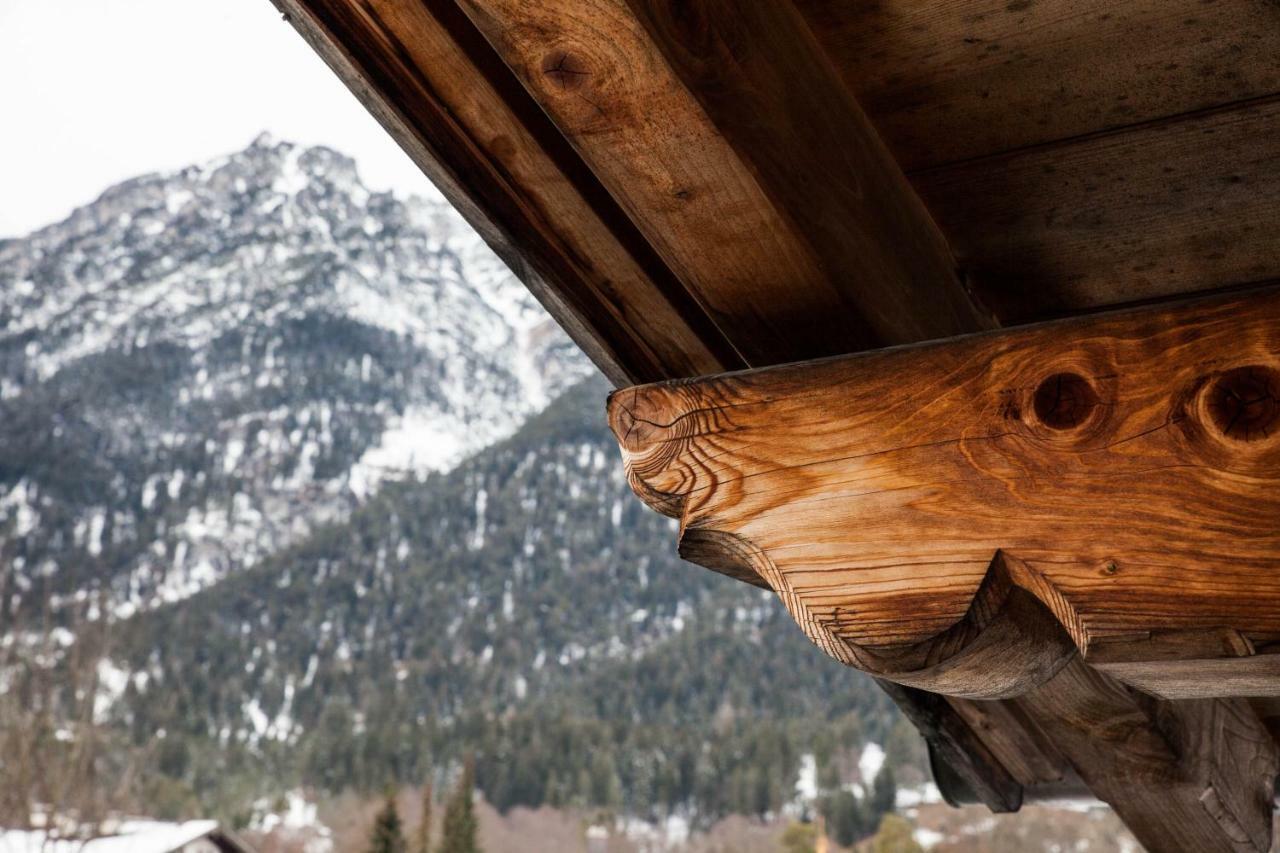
pixel 132 836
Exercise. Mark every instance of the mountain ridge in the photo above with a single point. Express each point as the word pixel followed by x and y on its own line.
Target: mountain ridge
pixel 348 500
pixel 201 329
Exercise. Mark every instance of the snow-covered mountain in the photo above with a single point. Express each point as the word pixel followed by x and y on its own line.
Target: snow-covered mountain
pixel 310 444
pixel 199 367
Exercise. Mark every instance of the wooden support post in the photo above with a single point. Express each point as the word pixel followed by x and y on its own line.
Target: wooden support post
pixel 1192 775
pixel 952 741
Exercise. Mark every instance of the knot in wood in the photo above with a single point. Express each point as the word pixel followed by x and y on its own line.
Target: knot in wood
pixel 564 69
pixel 1244 403
pixel 1064 401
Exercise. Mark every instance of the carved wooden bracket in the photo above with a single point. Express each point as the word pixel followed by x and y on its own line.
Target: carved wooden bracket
pixel 967 515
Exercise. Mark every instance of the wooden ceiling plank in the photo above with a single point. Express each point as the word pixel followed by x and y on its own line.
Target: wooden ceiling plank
pixel 738 152
pixel 439 92
pixel 1169 208
pixel 964 516
pixel 953 81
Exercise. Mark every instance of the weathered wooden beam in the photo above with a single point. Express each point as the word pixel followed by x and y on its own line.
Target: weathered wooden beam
pixel 979 516
pixel 724 132
pixel 438 88
pixel 966 516
pixel 956 81
pixel 1193 775
pixel 954 744
pixel 1193 664
pixel 1122 217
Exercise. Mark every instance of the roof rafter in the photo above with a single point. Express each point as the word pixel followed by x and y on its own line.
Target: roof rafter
pixel 736 149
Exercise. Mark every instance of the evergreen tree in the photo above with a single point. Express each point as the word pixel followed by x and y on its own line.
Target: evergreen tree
pixel 846 818
pixel 460 817
pixel 387 835
pixel 828 773
pixel 884 794
pixel 423 844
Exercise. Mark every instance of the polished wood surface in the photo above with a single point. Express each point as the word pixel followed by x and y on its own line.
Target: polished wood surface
pixel 964 516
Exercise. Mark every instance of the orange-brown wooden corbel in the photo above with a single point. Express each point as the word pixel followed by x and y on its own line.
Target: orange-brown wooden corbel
pixel 965 516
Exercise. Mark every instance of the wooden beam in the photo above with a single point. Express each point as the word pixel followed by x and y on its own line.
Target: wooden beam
pixel 1193 664
pixel 953 742
pixel 976 516
pixel 1167 208
pixel 440 91
pixel 1193 775
pixel 733 145
pixel 1030 756
pixel 965 516
pixel 969 78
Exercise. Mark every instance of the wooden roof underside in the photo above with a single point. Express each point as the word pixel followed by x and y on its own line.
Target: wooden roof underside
pixel 692 188
pixel 679 189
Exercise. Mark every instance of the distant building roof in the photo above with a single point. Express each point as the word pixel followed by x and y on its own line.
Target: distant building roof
pixel 134 836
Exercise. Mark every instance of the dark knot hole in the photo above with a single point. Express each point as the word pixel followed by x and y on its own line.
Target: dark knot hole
pixel 1244 403
pixel 1064 401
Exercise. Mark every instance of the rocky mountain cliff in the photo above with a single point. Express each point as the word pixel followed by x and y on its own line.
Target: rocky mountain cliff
pixel 197 368
pixel 338 503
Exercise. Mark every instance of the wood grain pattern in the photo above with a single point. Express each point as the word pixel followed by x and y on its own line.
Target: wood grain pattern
pixel 1192 775
pixel 1192 664
pixel 739 153
pixel 936 514
pixel 1030 755
pixel 1166 209
pixel 437 87
pixel 969 78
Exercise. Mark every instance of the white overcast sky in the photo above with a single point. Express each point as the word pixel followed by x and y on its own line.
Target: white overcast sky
pixel 96 91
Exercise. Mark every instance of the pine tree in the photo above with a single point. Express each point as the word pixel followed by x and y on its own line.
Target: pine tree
pixel 387 835
pixel 424 825
pixel 846 818
pixel 884 793
pixel 459 833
